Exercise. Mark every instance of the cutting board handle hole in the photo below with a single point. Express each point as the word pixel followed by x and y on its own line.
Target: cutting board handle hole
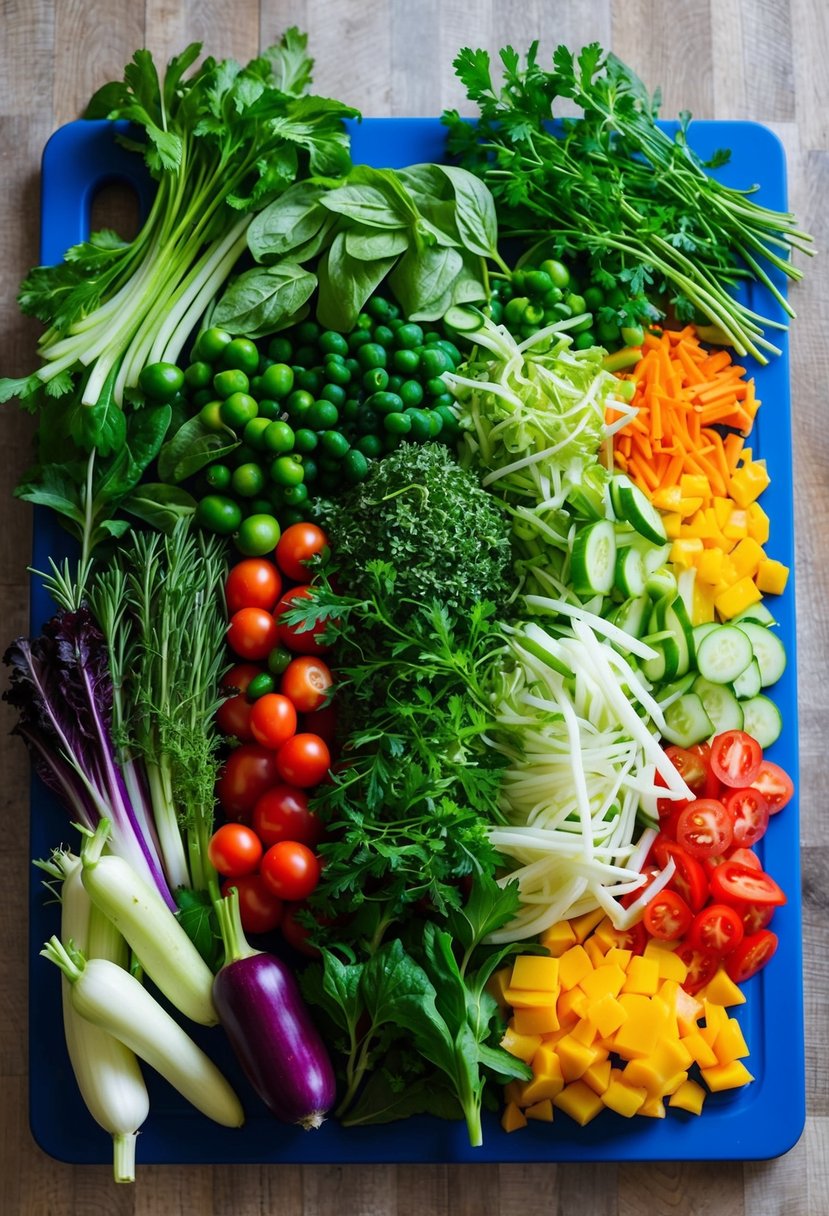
pixel 115 205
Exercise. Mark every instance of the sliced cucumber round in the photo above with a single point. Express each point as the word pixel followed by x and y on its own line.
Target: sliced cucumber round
pixel 686 721
pixel 762 719
pixel 720 703
pixel 755 612
pixel 769 651
pixel 629 575
pixel 723 654
pixel 593 559
pixel 748 682
pixel 632 614
pixel 630 504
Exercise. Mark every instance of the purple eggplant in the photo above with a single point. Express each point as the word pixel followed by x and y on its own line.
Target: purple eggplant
pixel 269 1027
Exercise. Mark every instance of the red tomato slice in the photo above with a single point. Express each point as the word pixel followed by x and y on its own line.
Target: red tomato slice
pixel 689 879
pixel 711 788
pixel 690 765
pixel 754 916
pixel 704 828
pixel 753 953
pixel 702 966
pixel 718 927
pixel 746 857
pixel 732 881
pixel 735 758
pixel 750 814
pixel 667 916
pixel 775 784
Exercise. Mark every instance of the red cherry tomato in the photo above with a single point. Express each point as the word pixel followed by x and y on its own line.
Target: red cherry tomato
pixel 750 814
pixel 754 916
pixel 306 681
pixel 272 720
pixel 689 879
pixel 234 850
pixel 731 881
pixel 290 870
pixel 282 814
pixel 237 678
pixel 304 760
pixel 248 771
pixel 252 633
pixel 753 953
pixel 711 788
pixel 295 548
pixel 704 828
pixel 233 717
pixel 735 758
pixel 718 927
pixel 252 583
pixel 667 916
pixel 295 933
pixel 260 910
pixel 690 765
pixel 633 938
pixel 702 966
pixel 298 641
pixel 774 784
pixel 322 722
pixel 745 857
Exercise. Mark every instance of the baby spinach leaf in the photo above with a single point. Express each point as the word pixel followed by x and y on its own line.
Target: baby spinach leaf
pixel 146 429
pixel 420 280
pixel 345 283
pixel 191 448
pixel 261 300
pixel 291 220
pixel 159 505
pixel 475 211
pixel 366 205
pixel 367 244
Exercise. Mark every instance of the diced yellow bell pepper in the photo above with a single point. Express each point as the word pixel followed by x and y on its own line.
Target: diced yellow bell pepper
pixel 546 1065
pixel 741 595
pixel 746 557
pixel 597 1076
pixel 772 577
pixel 700 1051
pixel 558 938
pixel 535 971
pixel 512 1118
pixel 736 526
pixel 721 990
pixel 528 998
pixel 642 975
pixel 652 1108
pixel 643 1074
pixel 730 1043
pixel 671 966
pixel 540 1020
pixel 624 1099
pixel 584 925
pixel 758 523
pixel 595 950
pixel 690 1096
pixel 686 551
pixel 524 1046
pixel 749 482
pixel 694 485
pixel 580 1102
pixel 709 565
pixel 673 524
pixel 620 956
pixel 540 1088
pixel 726 1076
pixel 542 1110
pixel 574 964
pixel 639 1033
pixel 497 984
pixel 596 983
pixel 607 1015
pixel 689 507
pixel 574 1057
pixel 667 498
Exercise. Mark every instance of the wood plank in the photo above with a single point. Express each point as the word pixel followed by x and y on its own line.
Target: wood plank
pixel 92 45
pixel 670 1187
pixel 225 30
pixel 670 47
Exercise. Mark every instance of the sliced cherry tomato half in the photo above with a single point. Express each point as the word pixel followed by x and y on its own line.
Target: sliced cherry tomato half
pixel 690 765
pixel 745 857
pixel 704 828
pixel 750 814
pixel 711 789
pixel 689 878
pixel 754 916
pixel 752 953
pixel 718 927
pixel 732 881
pixel 735 758
pixel 775 784
pixel 667 916
pixel 702 966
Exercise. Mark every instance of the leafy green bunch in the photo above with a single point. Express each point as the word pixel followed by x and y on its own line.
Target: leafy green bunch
pixel 619 190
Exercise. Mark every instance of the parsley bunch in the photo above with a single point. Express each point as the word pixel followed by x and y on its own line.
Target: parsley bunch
pixel 617 189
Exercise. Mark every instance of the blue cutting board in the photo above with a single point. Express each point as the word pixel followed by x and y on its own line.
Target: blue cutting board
pixel 761 1121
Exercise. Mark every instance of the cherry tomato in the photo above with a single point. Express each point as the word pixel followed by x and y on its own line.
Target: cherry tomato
pixel 718 927
pixel 295 933
pixel 306 681
pixel 234 850
pixel 239 677
pixel 248 771
pixel 272 720
pixel 252 633
pixel 732 881
pixel 753 953
pixel 322 722
pixel 299 641
pixel 290 870
pixel 633 938
pixel 750 814
pixel 745 857
pixel 704 828
pixel 702 966
pixel 252 583
pixel 735 758
pixel 260 910
pixel 233 718
pixel 282 813
pixel 297 545
pixel 690 765
pixel 667 916
pixel 775 784
pixel 689 879
pixel 304 760
pixel 711 788
pixel 754 916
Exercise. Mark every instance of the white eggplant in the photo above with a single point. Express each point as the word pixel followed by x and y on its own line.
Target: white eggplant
pixel 111 998
pixel 157 938
pixel 107 1072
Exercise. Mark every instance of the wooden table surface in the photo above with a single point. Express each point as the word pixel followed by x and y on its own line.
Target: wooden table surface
pixel 741 59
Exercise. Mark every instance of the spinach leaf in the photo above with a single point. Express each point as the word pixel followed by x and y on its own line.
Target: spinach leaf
pixel 367 244
pixel 420 281
pixel 159 505
pixel 475 211
pixel 365 204
pixel 264 299
pixel 288 222
pixel 191 448
pixel 345 283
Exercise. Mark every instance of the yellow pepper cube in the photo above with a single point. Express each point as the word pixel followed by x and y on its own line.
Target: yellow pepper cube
pixel 689 507
pixel 736 526
pixel 673 1083
pixel 542 1110
pixel 539 1089
pixel 642 976
pixel 671 1056
pixel 722 508
pixel 619 956
pixel 652 1108
pixel 726 1076
pixel 570 1006
pixel 607 1015
pixel 538 972
pixel 512 1118
pixel 541 1019
pixel 546 1064
pixel 584 925
pixel 701 1052
pixel 584 1030
pixel 673 524
pixel 497 984
pixel 597 1076
pixel 741 595
pixel 528 998
pixel 730 1043
pixel 640 1031
pixel 580 1102
pixel 746 557
pixel 595 949
pixel 524 1046
pixel 558 938
pixel 771 577
pixel 624 1099
pixel 667 498
pixel 758 523
pixel 671 966
pixel 609 978
pixel 721 990
pixel 575 1057
pixel 709 565
pixel 690 1096
pixel 686 551
pixel 643 1074
pixel 694 485
pixel 574 964
pixel 749 482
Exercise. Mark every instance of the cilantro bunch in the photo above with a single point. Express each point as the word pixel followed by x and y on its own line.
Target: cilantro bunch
pixel 618 190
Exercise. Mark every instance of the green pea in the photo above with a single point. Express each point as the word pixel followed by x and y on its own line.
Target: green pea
pixel 351 407
pixel 305 440
pixel 322 416
pixel 291 515
pixel 161 381
pixel 411 392
pixel 230 381
pixel 308 331
pixel 258 535
pixel 277 381
pixel 409 335
pixel 446 400
pixel 451 350
pixel 355 466
pixel 538 282
pixel 434 361
pixel 370 445
pixel 585 340
pixel 533 315
pixel 385 403
pixel 514 310
pixel 217 476
pixel 309 379
pixel 257 506
pixel 371 354
pixel 295 496
pixel 201 397
pixel 210 416
pixel 298 404
pixel 269 409
pixel 211 343
pixel 557 271
pixel 242 355
pixel 397 423
pixel 198 375
pixel 219 514
pixel 254 431
pixel 247 480
pixel 358 338
pixel 337 371
pixel 286 471
pixel 435 423
pixel 593 297
pixel 330 342
pixel 378 307
pixel 334 443
pixel 367 420
pixel 375 379
pixel 260 686
pixel 334 393
pixel 406 361
pixel 383 335
pixel 436 386
pixel 576 304
pixel 238 409
pixel 280 350
pixel 278 437
pixel 633 335
pixel 420 429
pixel 450 421
pixel 310 469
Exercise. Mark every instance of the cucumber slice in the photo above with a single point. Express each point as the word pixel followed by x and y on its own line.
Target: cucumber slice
pixel 701 630
pixel 686 721
pixel 664 666
pixel 722 654
pixel 755 612
pixel 631 615
pixel 720 703
pixel 593 559
pixel 677 620
pixel 769 651
pixel 660 582
pixel 629 575
pixel 748 682
pixel 630 504
pixel 677 688
pixel 762 720
pixel 463 319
